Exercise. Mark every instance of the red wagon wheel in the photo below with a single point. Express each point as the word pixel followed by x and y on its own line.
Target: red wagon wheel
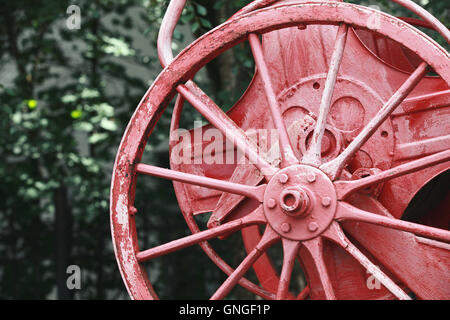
pixel 303 200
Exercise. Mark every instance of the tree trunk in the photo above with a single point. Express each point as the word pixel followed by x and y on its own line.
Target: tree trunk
pixel 63 232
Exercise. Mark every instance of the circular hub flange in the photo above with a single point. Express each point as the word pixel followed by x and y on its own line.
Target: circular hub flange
pixel 302 206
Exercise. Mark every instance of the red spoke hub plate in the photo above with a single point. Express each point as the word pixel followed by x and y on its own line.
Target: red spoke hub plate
pixel 300 202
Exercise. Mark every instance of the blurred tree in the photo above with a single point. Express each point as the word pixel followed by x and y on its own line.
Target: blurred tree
pixel 61 113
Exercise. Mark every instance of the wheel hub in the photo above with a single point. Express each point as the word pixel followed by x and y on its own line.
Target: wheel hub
pixel 300 202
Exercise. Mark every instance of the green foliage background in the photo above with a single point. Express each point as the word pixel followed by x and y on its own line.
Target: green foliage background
pixel 65 99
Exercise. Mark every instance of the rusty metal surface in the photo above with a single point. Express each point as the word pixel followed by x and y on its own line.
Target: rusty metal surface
pixel 359 134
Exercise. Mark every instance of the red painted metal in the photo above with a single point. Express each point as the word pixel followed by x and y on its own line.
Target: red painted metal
pixel 304 206
pixel 361 128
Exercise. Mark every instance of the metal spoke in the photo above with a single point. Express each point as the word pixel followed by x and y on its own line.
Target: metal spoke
pixel 290 252
pixel 304 294
pixel 345 188
pixel 427 100
pixel 404 250
pixel 347 212
pixel 256 217
pixel 243 282
pixel 219 119
pixel 315 248
pixel 269 238
pixel 313 154
pixel 336 234
pixel 248 174
pixel 287 154
pixel 256 193
pixel 335 166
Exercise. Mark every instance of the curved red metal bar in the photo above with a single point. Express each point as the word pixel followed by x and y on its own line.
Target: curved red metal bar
pixel 176 7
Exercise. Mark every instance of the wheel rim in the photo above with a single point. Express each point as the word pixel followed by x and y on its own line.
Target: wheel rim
pixel 151 107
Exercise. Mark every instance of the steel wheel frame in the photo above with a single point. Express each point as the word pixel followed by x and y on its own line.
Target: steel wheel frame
pixel 133 143
pixel 176 7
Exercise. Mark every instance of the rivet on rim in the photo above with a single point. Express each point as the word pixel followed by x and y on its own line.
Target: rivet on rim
pixel 133 211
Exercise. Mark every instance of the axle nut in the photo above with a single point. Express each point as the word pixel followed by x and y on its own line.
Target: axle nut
pixel 295 202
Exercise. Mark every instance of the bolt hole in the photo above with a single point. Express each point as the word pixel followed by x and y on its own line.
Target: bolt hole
pixel 384 134
pixel 316 85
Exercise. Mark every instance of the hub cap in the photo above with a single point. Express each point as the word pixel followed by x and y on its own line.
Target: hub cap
pixel 300 202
